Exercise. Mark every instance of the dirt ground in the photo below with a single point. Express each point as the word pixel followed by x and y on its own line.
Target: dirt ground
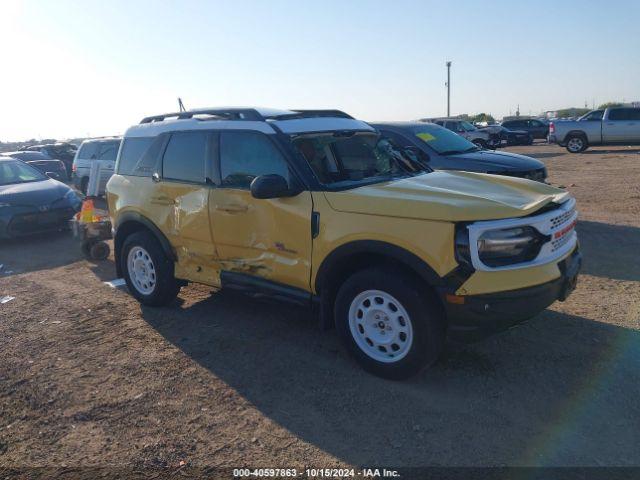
pixel 88 377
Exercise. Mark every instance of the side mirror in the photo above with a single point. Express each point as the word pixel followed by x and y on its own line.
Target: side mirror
pixel 271 186
pixel 53 175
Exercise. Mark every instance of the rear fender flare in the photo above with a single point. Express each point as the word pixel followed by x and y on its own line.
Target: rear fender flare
pixel 130 222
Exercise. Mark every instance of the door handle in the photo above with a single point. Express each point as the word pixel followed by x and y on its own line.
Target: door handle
pixel 232 208
pixel 162 200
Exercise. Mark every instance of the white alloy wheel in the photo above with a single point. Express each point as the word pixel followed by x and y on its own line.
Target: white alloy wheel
pixel 141 270
pixel 380 326
pixel 575 144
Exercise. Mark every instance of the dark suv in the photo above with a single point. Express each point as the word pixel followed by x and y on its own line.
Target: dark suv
pixel 537 128
pixel 443 150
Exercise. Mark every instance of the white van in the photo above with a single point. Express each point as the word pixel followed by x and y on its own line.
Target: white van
pixel 105 149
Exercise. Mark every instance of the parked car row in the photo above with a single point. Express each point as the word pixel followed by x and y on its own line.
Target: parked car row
pixel 346 218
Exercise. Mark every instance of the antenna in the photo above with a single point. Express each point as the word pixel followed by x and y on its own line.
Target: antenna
pixel 181 105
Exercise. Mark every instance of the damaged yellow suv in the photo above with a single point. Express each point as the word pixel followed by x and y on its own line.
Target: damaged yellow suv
pixel 315 208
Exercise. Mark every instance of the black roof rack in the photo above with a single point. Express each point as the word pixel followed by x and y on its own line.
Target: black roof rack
pixel 248 114
pixel 311 114
pixel 222 113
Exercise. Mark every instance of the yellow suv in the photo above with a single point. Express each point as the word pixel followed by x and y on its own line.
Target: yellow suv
pixel 315 208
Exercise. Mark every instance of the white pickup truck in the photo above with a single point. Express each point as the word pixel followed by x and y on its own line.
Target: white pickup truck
pixel 614 125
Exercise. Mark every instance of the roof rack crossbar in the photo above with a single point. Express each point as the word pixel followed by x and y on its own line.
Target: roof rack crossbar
pixel 248 114
pixel 311 114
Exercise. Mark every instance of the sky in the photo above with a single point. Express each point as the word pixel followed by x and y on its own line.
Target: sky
pixel 92 68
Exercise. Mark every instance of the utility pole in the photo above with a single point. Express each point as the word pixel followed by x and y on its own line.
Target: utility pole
pixel 448 89
pixel 181 105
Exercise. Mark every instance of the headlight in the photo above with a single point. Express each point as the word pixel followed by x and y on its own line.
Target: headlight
pixel 4 204
pixel 72 197
pixel 497 248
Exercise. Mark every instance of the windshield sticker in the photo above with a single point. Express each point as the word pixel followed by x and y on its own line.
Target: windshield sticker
pixel 427 137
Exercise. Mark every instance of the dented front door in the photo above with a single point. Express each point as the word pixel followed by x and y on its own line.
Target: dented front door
pixel 265 238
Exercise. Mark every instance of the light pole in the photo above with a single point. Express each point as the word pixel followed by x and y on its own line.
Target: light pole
pixel 448 89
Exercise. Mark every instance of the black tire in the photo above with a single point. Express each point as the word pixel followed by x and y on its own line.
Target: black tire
pixel 99 251
pixel 480 143
pixel 84 184
pixel 86 247
pixel 166 286
pixel 426 319
pixel 576 143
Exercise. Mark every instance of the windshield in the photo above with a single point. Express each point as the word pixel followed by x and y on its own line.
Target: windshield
pixel 348 158
pixel 468 126
pixel 17 172
pixel 443 141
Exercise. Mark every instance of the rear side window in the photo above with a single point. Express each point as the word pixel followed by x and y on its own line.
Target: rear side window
pixel 108 151
pixel 184 157
pixel 88 151
pixel 247 155
pixel 132 151
pixel 625 114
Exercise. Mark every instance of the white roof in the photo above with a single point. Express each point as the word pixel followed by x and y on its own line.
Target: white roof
pixel 291 126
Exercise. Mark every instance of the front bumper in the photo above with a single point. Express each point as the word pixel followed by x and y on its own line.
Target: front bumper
pixel 482 315
pixel 34 222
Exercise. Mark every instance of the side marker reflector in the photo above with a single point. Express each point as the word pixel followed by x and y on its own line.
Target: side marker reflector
pixel 457 299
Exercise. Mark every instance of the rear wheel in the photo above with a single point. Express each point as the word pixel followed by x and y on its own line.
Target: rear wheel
pixel 148 271
pixel 576 144
pixel 391 324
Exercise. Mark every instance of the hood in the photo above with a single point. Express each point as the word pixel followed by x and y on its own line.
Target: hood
pixel 490 161
pixel 44 192
pixel 449 196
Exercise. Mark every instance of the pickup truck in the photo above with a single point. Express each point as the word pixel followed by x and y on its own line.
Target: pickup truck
pixel 611 126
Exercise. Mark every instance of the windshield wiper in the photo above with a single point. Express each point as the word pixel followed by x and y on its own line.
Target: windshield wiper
pixel 455 152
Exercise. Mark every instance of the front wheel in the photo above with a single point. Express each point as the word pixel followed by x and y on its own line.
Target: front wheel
pixel 576 144
pixel 148 271
pixel 390 323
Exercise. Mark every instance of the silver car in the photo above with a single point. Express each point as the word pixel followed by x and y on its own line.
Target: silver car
pixel 464 129
pixel 104 149
pixel 611 126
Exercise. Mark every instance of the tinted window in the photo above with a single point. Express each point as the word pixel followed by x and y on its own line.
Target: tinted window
pixel 453 126
pixel 246 155
pixel 132 151
pixel 593 116
pixel 184 157
pixel 108 151
pixel 625 114
pixel 89 150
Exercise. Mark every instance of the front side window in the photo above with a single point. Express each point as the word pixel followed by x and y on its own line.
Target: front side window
pixel 594 116
pixel 348 159
pixel 453 126
pixel 247 155
pixel 12 172
pixel 184 157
